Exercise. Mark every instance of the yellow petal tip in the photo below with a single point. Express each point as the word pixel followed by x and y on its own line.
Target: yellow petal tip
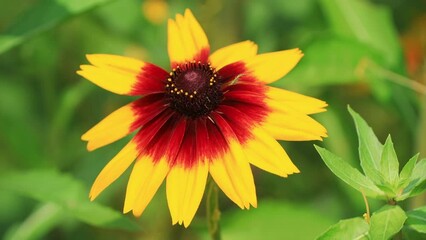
pixel 85 137
pixel 93 195
pixel 90 147
pixel 136 213
pixel 186 223
pixel 126 210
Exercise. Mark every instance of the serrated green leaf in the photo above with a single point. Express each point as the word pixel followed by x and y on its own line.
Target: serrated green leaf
pixel 417 219
pixel 43 16
pixel 368 23
pixel 370 149
pixel 354 228
pixel 349 174
pixel 389 163
pixel 386 222
pixel 67 192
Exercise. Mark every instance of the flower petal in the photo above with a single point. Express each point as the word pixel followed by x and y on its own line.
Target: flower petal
pixel 186 40
pixel 123 75
pixel 231 171
pixel 112 128
pixel 198 35
pixel 269 67
pixel 185 188
pixel 233 53
pixel 290 101
pixel 266 153
pixel 114 169
pixel 116 74
pixel 122 63
pixel 293 127
pixel 144 182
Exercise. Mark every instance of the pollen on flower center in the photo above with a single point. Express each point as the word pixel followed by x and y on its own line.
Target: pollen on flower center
pixel 193 89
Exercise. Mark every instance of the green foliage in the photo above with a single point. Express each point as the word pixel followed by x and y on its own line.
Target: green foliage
pixel 41 17
pixel 274 219
pixel 68 194
pixel 371 25
pixel 417 219
pixel 353 228
pixel 370 149
pixel 382 181
pixel 329 60
pixel 349 174
pixel 365 22
pixel 359 31
pixel 351 50
pixel 389 163
pixel 386 222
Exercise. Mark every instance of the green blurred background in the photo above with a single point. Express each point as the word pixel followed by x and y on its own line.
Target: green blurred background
pixel 369 54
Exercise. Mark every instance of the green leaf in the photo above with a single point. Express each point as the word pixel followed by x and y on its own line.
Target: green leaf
pixel 419 177
pixel 329 61
pixel 105 217
pixel 417 181
pixel 406 172
pixel 386 222
pixel 411 234
pixel 390 191
pixel 43 16
pixel 349 174
pixel 389 163
pixel 370 149
pixel 67 192
pixel 353 228
pixel 372 25
pixel 417 219
pixel 274 220
pixel 367 23
pixel 13 123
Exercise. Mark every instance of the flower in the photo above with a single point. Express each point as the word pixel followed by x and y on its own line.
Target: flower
pixel 210 114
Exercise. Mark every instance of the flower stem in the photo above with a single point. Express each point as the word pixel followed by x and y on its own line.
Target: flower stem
pixel 39 223
pixel 367 208
pixel 391 76
pixel 213 212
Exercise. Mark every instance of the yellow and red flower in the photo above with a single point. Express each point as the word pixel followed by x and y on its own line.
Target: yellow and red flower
pixel 210 114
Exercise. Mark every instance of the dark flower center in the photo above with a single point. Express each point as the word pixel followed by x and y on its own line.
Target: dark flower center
pixel 193 89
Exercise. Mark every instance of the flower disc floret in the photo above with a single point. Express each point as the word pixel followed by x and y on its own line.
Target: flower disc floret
pixel 193 89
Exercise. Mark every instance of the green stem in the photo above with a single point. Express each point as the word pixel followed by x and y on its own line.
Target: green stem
pixel 38 224
pixel 213 212
pixel 367 208
pixel 391 76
